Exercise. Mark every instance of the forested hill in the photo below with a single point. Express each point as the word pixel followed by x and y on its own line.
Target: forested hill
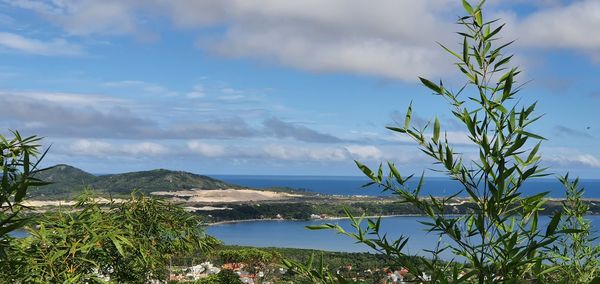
pixel 67 181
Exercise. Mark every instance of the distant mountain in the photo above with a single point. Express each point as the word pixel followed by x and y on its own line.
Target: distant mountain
pixel 157 180
pixel 68 181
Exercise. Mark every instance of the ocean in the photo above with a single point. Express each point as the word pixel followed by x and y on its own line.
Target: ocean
pixel 352 185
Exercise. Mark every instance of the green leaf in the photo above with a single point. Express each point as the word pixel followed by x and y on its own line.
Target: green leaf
pixel 436 130
pixel 553 224
pixel 494 32
pixel 478 17
pixel 366 170
pixel 449 51
pixel 408 116
pixel 507 86
pixel 468 7
pixel 320 227
pixel 431 85
pixel 465 50
pixel 529 134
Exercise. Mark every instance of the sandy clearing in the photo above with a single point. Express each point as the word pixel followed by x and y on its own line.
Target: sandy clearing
pixel 227 195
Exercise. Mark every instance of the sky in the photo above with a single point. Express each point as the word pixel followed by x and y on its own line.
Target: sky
pixel 278 87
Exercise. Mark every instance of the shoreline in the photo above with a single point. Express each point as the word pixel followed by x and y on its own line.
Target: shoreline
pixel 321 219
pixel 334 218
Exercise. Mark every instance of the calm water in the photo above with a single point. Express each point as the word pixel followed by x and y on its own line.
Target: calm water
pixel 293 234
pixel 352 185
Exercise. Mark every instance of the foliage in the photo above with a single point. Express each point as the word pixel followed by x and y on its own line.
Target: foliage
pixel 315 273
pixel 18 174
pixel 502 240
pixel 68 247
pixel 250 256
pixel 255 260
pixel 334 208
pixel 365 266
pixel 129 242
pixel 575 255
pixel 224 276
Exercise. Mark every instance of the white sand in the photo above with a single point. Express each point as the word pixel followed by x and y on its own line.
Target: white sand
pixel 227 195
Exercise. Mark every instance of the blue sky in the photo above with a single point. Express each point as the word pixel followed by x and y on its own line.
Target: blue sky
pixel 276 87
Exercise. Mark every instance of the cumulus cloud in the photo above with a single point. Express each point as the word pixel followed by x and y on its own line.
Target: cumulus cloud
pixel 53 47
pixel 205 149
pixel 340 36
pixel 364 152
pixel 89 147
pixel 282 152
pixel 570 158
pixel 570 25
pixel 352 36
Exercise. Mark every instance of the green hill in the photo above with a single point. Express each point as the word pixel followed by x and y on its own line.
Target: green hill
pixel 68 181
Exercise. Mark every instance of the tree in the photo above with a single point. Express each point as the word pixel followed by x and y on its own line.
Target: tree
pixel 128 242
pixel 18 174
pixel 575 255
pixel 503 239
pixel 224 276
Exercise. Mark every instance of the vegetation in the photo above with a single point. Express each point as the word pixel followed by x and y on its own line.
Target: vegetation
pixel 224 276
pixel 18 170
pixel 129 242
pixel 67 182
pixel 306 210
pixel 501 240
pixel 363 267
pixel 577 258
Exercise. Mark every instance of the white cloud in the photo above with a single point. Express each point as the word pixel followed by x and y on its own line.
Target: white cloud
pixel 142 85
pixel 390 38
pixel 67 99
pixel 205 149
pixel 572 26
pixel 282 152
pixel 570 157
pixel 90 147
pixel 197 92
pixel 145 148
pixel 362 152
pixel 53 47
pixel 100 148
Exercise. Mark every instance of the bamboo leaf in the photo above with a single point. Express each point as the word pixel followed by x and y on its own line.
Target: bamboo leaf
pixel 436 130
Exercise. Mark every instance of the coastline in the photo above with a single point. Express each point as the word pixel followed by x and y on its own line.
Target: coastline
pixel 321 219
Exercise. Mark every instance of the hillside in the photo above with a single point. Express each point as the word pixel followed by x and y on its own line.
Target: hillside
pixel 68 181
pixel 157 180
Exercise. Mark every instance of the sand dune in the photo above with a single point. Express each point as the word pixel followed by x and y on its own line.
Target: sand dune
pixel 227 195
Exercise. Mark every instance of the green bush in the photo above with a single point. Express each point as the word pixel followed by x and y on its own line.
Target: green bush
pixel 130 242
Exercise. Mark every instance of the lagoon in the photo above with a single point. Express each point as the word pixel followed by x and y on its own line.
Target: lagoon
pixel 292 234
